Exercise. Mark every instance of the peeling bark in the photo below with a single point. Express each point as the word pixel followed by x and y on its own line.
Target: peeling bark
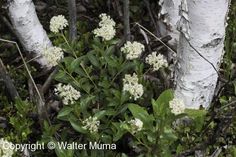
pixel 202 25
pixel 169 15
pixel 30 32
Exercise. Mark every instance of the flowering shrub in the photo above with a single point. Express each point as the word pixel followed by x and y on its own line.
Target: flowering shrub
pixel 105 95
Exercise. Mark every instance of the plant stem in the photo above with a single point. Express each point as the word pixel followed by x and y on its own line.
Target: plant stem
pixel 71 76
pixel 118 72
pixel 88 75
pixel 63 36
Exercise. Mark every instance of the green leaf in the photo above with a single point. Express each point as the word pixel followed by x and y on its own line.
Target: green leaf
pixel 64 112
pixel 75 66
pixel 194 113
pixel 67 61
pixel 161 104
pixel 100 114
pixel 112 62
pixel 198 116
pixel 85 101
pixel 77 127
pixel 61 76
pixel 127 66
pixel 119 130
pixel 140 113
pixel 94 61
pixel 110 50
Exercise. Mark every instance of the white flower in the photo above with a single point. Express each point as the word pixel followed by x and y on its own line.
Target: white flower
pixel 106 28
pixel 6 148
pixel 106 20
pixel 132 50
pixel 53 55
pixel 132 86
pixel 91 124
pixel 177 106
pixel 136 125
pixel 58 23
pixel 68 93
pixel 157 61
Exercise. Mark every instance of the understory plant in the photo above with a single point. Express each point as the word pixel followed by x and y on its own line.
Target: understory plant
pixel 107 94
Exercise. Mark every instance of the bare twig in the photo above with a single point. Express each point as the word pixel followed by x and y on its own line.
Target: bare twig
pixel 126 20
pixel 72 19
pixel 168 47
pixel 26 67
pixel 39 100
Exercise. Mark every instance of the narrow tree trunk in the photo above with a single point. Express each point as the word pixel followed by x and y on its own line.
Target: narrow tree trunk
pixel 30 32
pixel 126 20
pixel 202 27
pixel 72 19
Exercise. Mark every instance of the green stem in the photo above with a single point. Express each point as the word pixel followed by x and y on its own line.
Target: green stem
pixel 118 72
pixel 142 143
pixel 63 36
pixel 88 75
pixel 71 76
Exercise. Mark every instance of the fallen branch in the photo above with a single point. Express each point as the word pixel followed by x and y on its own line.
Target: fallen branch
pixel 48 82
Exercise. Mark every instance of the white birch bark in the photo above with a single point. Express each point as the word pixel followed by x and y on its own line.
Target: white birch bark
pixel 203 24
pixel 170 12
pixel 29 30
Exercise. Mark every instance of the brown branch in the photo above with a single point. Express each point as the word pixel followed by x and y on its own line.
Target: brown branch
pixel 48 82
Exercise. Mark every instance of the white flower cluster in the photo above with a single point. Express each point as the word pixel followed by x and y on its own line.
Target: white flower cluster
pixel 53 55
pixel 58 23
pixel 5 150
pixel 132 86
pixel 91 124
pixel 106 28
pixel 132 50
pixel 177 106
pixel 157 61
pixel 136 125
pixel 68 93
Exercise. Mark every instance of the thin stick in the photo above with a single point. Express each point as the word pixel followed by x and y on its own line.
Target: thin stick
pixel 26 67
pixel 155 37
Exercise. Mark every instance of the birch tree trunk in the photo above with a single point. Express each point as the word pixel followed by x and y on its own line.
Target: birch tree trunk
pixel 169 13
pixel 202 28
pixel 29 30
